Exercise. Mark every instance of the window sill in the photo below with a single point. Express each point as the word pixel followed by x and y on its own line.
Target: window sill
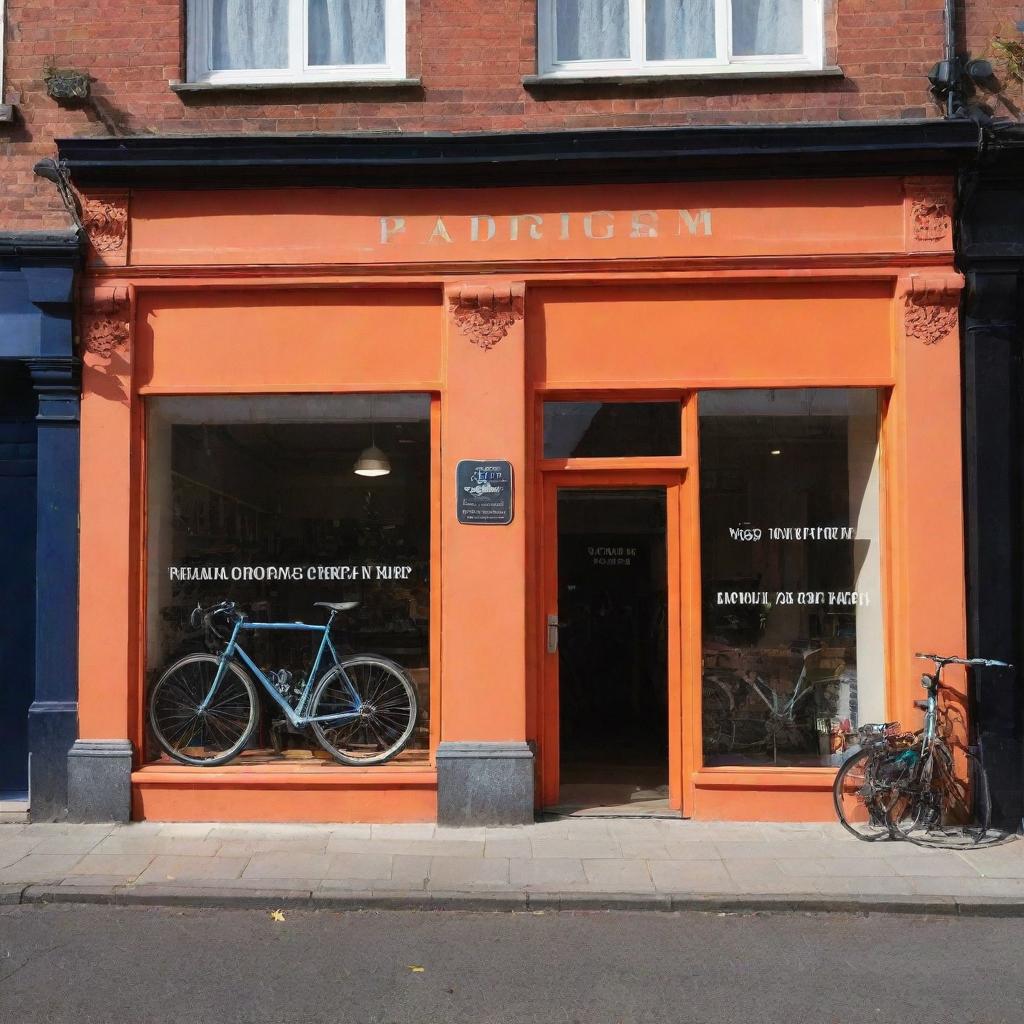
pixel 362 83
pixel 545 81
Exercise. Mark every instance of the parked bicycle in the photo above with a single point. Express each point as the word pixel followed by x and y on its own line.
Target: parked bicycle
pixel 204 708
pixel 916 786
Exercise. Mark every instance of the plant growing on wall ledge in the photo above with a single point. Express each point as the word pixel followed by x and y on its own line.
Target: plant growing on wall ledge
pixel 67 84
pixel 1009 54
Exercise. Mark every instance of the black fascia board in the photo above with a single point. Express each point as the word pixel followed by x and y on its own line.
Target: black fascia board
pixel 57 246
pixel 598 156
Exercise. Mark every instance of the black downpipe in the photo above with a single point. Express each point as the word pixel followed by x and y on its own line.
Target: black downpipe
pixel 953 95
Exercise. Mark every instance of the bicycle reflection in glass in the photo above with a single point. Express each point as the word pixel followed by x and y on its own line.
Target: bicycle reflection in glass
pixel 204 708
pixel 729 727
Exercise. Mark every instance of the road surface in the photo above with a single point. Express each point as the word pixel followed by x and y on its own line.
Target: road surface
pixel 148 965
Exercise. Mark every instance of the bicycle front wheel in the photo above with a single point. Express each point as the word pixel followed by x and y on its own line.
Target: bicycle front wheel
pixel 382 701
pixel 859 799
pixel 205 737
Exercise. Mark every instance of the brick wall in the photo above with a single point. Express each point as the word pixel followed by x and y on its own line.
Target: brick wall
pixel 471 56
pixel 981 22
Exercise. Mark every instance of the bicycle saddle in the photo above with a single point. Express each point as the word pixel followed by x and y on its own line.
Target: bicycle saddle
pixel 343 606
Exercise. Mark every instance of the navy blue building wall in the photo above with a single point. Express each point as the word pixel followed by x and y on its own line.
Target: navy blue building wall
pixel 39 418
pixel 18 561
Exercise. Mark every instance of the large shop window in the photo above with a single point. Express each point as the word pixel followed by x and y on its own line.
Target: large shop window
pixel 698 37
pixel 264 501
pixel 281 41
pixel 790 564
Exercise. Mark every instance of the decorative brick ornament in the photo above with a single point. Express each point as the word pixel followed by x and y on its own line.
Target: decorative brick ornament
pixel 930 313
pixel 106 325
pixel 485 314
pixel 106 222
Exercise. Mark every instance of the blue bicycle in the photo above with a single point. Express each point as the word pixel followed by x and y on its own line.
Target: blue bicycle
pixel 204 708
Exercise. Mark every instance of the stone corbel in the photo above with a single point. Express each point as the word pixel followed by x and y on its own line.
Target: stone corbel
pixel 486 313
pixel 931 306
pixel 106 321
pixel 105 219
pixel 928 212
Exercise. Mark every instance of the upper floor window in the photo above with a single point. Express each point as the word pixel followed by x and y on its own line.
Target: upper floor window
pixel 254 41
pixel 643 37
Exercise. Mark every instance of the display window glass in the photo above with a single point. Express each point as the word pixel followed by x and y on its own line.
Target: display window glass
pixel 793 652
pixel 276 503
pixel 577 430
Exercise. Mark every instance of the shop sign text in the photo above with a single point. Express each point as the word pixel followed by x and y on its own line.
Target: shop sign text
pixel 597 225
pixel 484 492
pixel 275 573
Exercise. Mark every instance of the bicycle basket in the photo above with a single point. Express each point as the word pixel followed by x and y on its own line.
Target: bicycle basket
pixel 878 732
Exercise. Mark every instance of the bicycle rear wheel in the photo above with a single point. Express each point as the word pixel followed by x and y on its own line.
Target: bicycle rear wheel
pixel 948 810
pixel 859 799
pixel 210 737
pixel 384 705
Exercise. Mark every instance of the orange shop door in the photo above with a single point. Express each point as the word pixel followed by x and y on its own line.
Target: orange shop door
pixel 610 701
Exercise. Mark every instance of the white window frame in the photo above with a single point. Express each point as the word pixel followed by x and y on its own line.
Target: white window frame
pixel 200 51
pixel 637 64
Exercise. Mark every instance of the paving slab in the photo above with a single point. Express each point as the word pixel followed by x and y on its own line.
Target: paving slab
pixel 166 870
pixel 456 873
pixel 294 865
pixel 412 870
pixel 620 876
pixel 127 864
pixel 589 848
pixel 869 885
pixel 696 876
pixel 360 866
pixel 154 844
pixel 40 868
pixel 548 874
pixel 12 850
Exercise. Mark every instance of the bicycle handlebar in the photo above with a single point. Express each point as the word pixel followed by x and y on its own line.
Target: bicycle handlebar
pixel 203 617
pixel 941 660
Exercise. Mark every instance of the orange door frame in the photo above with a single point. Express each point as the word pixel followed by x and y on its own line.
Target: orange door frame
pixel 677 570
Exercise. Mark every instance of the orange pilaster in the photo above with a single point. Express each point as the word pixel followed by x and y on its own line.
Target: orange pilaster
pixel 483 568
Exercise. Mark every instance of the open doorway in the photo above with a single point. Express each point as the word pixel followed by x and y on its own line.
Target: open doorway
pixel 612 650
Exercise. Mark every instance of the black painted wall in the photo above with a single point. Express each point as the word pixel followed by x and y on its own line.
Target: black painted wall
pixel 991 254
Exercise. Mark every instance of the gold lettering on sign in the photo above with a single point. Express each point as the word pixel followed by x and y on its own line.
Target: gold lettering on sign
pixel 474 227
pixel 694 220
pixel 596 225
pixel 389 227
pixel 588 224
pixel 440 233
pixel 645 224
pixel 534 228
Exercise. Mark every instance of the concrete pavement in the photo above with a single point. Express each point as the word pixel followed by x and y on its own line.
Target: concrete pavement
pixel 572 862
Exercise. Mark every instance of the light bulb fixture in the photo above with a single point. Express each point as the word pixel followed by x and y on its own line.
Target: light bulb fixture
pixel 372 461
pixel 775 451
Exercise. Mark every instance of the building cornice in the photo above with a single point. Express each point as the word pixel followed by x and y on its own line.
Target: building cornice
pixel 629 155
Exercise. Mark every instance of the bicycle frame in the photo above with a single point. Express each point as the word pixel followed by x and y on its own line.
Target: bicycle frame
pixel 294 715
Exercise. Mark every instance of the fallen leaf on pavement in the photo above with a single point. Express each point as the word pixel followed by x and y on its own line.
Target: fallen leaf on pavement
pixel 276 915
pixel 416 969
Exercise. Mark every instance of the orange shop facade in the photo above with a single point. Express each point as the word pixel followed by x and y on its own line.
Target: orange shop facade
pixel 723 419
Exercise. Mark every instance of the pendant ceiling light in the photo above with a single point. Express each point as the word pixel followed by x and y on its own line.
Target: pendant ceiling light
pixel 372 461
